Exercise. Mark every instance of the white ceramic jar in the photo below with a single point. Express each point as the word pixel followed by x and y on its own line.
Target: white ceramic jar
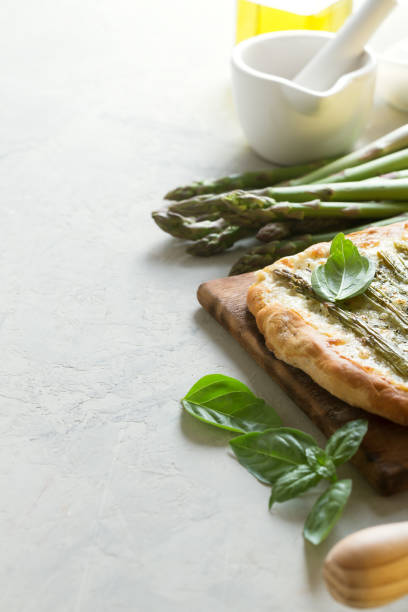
pixel 286 123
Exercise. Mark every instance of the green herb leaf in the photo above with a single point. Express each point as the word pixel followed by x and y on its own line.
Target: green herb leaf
pixel 227 403
pixel 345 274
pixel 270 454
pixel 326 511
pixel 213 385
pixel 293 483
pixel 344 443
pixel 321 463
pixel 255 416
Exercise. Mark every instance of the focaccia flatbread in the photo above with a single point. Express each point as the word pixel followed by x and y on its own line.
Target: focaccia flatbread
pixel 301 332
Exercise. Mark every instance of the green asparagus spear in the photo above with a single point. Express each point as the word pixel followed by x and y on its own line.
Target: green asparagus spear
pixel 397 174
pixel 216 243
pixel 397 267
pixel 284 229
pixel 388 163
pixel 245 180
pixel 356 191
pixel 394 141
pixel 276 230
pixel 186 227
pixel 376 295
pixel 197 206
pixel 262 256
pixel 254 209
pixel 197 217
pixel 388 351
pixel 205 206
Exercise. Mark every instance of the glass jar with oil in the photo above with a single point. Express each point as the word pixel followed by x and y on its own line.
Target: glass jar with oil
pixel 272 15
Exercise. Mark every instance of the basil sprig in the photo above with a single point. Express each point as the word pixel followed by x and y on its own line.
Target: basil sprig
pixel 345 274
pixel 288 459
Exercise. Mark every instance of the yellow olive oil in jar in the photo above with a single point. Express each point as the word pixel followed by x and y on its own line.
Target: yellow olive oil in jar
pixel 270 16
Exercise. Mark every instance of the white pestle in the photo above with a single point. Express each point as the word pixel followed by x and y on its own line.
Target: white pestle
pixel 339 56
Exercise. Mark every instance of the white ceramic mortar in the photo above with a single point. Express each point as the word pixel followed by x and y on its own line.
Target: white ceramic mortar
pixel 285 122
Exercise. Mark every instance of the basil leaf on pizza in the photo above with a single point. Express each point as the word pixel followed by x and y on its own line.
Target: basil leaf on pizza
pixel 345 274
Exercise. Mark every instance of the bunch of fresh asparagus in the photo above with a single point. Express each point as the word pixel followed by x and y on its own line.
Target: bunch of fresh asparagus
pixel 288 209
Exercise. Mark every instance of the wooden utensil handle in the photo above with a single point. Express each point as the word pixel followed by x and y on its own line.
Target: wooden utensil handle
pixel 369 568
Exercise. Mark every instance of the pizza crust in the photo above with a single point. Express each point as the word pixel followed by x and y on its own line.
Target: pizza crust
pixel 298 342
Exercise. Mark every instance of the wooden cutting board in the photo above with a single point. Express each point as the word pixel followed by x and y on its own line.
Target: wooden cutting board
pixel 383 455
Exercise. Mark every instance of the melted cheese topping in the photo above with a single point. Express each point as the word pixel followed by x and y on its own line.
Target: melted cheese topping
pixel 348 344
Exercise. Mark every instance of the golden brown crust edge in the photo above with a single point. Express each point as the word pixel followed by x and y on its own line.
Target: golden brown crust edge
pixel 296 342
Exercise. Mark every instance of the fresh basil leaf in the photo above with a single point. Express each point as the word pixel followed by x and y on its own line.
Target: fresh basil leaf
pixel 338 244
pixel 293 483
pixel 321 463
pixel 343 444
pixel 319 283
pixel 326 511
pixel 230 402
pixel 349 274
pixel 214 385
pixel 255 416
pixel 227 403
pixel 345 274
pixel 270 454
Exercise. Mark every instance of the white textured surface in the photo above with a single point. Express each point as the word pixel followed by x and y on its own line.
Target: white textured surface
pixel 111 500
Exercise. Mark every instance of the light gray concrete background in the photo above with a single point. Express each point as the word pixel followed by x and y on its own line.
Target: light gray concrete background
pixel 110 498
